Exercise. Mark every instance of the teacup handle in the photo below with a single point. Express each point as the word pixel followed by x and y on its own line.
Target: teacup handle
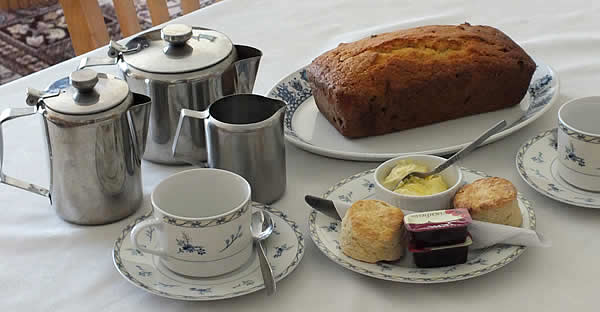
pixel 138 229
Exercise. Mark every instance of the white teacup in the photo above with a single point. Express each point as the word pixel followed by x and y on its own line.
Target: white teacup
pixel 579 142
pixel 201 218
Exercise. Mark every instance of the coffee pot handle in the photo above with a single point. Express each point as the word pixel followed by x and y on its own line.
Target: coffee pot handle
pixel 6 115
pixel 186 113
pixel 141 228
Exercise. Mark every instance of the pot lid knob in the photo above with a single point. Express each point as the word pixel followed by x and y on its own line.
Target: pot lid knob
pixel 89 93
pixel 84 80
pixel 176 34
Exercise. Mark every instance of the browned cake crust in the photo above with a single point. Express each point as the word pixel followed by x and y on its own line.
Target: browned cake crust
pixel 419 76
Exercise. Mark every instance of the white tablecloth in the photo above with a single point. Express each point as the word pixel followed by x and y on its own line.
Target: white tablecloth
pixel 47 264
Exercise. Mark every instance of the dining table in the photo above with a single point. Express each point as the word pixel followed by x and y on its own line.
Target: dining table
pixel 47 264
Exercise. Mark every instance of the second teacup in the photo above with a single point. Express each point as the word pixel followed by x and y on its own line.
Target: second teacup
pixel 201 219
pixel 579 143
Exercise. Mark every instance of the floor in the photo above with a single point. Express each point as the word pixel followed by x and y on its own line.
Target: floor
pixel 33 39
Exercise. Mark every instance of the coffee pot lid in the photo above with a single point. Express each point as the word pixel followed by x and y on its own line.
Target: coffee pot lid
pixel 88 92
pixel 177 48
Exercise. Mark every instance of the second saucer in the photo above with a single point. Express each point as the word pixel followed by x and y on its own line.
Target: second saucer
pixel 537 163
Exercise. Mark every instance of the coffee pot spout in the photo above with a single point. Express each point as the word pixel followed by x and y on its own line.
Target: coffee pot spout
pixel 241 74
pixel 138 118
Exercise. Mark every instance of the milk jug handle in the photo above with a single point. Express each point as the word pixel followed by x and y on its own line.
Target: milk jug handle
pixel 6 115
pixel 185 114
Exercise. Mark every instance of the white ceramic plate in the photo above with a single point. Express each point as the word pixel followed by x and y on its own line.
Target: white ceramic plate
pixel 324 232
pixel 537 164
pixel 306 128
pixel 285 248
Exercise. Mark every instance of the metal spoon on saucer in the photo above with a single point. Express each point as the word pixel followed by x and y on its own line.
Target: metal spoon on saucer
pixel 261 228
pixel 456 157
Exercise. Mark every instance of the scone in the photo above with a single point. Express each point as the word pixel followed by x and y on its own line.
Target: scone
pixel 373 231
pixel 491 200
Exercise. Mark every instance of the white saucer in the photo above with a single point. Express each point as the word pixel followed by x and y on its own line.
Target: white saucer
pixel 537 164
pixel 285 248
pixel 324 231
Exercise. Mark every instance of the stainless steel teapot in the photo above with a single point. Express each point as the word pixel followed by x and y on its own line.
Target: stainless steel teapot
pixel 180 66
pixel 95 130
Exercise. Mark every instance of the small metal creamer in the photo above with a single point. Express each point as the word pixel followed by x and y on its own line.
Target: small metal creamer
pixel 95 133
pixel 244 135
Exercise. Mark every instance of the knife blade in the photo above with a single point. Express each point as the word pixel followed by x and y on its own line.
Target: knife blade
pixel 326 206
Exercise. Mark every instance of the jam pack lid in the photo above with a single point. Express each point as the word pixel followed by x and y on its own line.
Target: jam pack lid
pixel 437 220
pixel 414 249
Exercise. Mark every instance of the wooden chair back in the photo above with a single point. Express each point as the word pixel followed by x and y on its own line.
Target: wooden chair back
pixel 86 23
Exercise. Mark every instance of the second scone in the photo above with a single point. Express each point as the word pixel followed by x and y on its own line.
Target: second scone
pixel 372 231
pixel 491 200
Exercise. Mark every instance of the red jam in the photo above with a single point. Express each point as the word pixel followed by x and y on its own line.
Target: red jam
pixel 438 228
pixel 433 257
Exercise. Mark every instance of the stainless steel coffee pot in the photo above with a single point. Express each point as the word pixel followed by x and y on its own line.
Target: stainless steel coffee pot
pixel 95 133
pixel 180 66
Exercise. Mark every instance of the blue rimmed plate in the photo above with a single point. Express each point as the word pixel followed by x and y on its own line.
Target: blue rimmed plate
pixel 285 248
pixel 324 231
pixel 306 128
pixel 537 162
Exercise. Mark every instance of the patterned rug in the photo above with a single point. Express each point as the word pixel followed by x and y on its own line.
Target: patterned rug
pixel 33 39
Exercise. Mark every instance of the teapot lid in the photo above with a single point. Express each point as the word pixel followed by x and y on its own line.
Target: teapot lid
pixel 177 48
pixel 88 92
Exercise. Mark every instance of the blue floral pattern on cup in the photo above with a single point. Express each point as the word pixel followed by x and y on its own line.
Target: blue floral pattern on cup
pixel 570 155
pixel 232 238
pixel 185 245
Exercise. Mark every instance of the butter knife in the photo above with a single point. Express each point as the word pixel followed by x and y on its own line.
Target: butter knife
pixel 327 207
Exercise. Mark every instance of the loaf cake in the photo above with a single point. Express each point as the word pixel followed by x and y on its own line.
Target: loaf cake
pixel 419 76
pixel 491 200
pixel 372 231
